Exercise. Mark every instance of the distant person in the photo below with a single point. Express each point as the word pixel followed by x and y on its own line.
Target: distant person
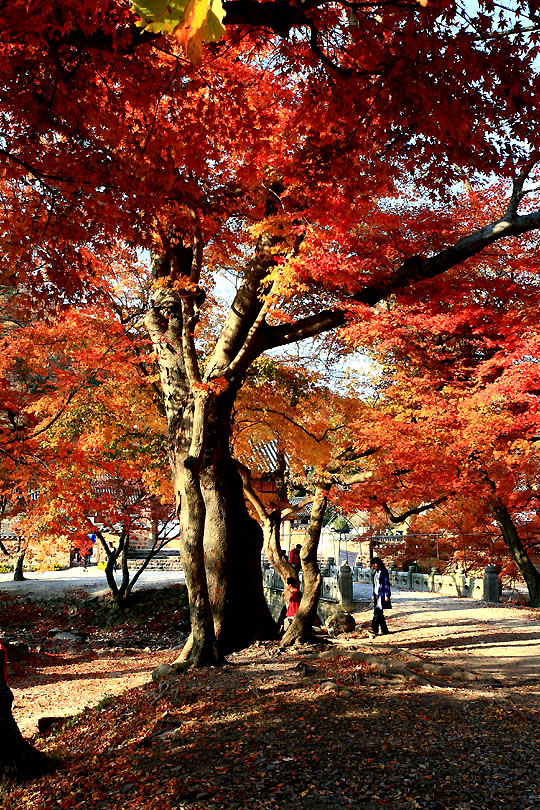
pixel 294 558
pixel 381 596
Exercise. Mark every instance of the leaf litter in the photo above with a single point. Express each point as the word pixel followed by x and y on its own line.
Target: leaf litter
pixel 273 728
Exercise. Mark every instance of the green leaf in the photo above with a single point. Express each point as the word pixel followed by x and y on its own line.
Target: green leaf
pixel 165 17
pixel 214 22
pixel 159 16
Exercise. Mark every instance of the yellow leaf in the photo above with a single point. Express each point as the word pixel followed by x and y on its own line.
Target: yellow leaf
pixel 202 22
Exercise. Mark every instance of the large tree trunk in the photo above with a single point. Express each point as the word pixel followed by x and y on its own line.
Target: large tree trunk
pixel 220 543
pixel 185 404
pixel 232 546
pixel 301 628
pixel 18 759
pixel 519 554
pixel 186 463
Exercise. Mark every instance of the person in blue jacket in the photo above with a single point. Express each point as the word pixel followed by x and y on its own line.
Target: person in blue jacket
pixel 381 596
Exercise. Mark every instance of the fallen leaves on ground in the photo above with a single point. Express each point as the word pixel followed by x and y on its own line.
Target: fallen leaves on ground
pixel 273 729
pixel 262 732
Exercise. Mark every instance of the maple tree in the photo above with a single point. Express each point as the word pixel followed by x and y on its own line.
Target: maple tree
pixel 20 385
pixel 133 512
pixel 463 535
pixel 66 380
pixel 88 464
pixel 457 416
pixel 12 545
pixel 313 167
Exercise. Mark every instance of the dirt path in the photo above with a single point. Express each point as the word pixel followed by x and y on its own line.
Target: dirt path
pixel 73 651
pixel 499 641
pixel 51 584
pixel 363 725
pixel 273 730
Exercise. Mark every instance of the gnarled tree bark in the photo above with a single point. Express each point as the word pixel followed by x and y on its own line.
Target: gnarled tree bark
pixel 220 543
pixel 519 554
pixel 301 628
pixel 18 759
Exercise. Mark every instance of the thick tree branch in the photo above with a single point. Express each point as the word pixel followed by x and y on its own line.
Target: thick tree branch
pixel 348 455
pixel 517 188
pixel 316 48
pixel 413 270
pixel 253 497
pixel 242 316
pixel 188 344
pixel 291 511
pixel 356 478
pixel 417 510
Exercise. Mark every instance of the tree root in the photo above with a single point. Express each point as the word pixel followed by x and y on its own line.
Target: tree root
pixel 413 670
pixel 24 762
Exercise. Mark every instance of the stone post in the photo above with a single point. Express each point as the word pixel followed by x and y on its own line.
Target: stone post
pixel 410 574
pixel 432 574
pixel 331 566
pixel 325 568
pixel 491 584
pixel 345 586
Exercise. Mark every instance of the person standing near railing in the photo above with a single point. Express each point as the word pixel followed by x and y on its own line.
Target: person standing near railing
pixel 381 596
pixel 294 558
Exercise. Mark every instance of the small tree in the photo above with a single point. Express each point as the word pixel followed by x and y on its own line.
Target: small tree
pixel 125 509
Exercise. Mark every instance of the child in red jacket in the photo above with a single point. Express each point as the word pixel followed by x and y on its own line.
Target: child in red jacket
pixel 295 595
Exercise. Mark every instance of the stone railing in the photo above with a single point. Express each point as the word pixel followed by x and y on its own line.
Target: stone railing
pixel 338 583
pixel 485 587
pixel 163 561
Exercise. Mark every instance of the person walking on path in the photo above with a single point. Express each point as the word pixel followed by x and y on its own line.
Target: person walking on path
pixel 381 596
pixel 294 558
